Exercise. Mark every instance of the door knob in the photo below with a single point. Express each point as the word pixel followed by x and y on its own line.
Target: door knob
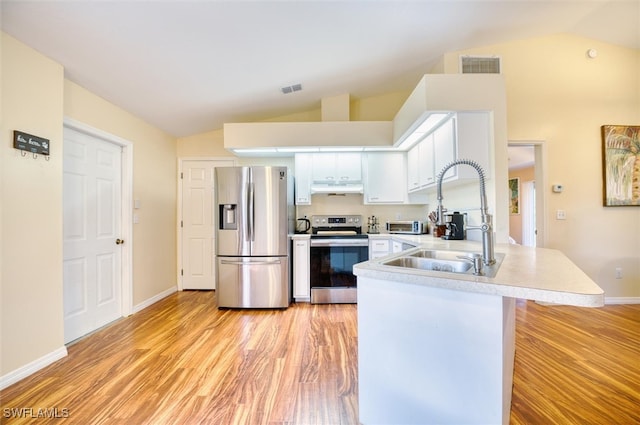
pixel 119 241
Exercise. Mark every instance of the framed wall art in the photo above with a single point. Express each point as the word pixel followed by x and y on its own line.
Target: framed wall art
pixel 514 195
pixel 621 165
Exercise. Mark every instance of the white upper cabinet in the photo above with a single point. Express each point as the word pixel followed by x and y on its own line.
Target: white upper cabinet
pixel 303 179
pixel 385 178
pixel 444 149
pixel 337 168
pixel 467 135
pixel 474 137
pixel 420 165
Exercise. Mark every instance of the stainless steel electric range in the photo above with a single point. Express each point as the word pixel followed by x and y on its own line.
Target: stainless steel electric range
pixel 337 243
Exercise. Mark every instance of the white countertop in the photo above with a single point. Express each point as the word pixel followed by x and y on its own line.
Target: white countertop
pixel 537 274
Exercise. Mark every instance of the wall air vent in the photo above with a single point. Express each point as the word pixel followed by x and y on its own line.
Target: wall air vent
pixel 480 65
pixel 291 89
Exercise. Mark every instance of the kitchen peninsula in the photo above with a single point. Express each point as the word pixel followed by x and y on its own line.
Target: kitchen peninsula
pixel 439 347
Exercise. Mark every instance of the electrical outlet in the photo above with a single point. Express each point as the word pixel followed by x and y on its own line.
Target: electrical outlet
pixel 618 272
pixel 561 215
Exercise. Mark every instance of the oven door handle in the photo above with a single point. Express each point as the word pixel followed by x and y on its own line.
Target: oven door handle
pixel 331 243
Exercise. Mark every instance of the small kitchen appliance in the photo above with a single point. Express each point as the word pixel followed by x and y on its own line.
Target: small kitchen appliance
pixel 303 226
pixel 373 225
pixel 455 226
pixel 413 227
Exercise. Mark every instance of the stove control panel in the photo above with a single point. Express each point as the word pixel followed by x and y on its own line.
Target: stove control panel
pixel 336 222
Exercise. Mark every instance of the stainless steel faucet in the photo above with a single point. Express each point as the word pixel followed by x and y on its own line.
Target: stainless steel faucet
pixel 488 256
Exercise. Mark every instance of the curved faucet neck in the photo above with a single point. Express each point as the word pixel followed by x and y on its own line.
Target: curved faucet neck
pixel 483 192
pixel 486 227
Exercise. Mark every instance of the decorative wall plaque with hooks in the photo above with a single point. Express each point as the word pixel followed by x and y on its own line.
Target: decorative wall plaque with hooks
pixel 30 143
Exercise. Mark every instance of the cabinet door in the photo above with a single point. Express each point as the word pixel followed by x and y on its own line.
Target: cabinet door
pixel 378 248
pixel 348 167
pixel 444 148
pixel 385 181
pixel 323 167
pixel 301 279
pixel 426 161
pixel 413 168
pixel 420 165
pixel 337 167
pixel 303 178
pixel 473 136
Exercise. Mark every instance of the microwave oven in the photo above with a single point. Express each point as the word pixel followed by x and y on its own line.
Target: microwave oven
pixel 413 227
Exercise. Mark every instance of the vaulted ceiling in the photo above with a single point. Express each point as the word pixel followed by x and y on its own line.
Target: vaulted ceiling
pixel 189 66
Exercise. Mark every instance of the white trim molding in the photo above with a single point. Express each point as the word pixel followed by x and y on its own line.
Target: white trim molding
pixel 31 368
pixel 621 300
pixel 150 301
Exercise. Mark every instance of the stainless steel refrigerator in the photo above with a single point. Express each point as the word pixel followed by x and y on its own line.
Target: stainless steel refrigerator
pixel 255 214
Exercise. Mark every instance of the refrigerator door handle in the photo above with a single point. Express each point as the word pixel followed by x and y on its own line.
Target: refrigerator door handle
pixel 252 236
pixel 250 263
pixel 245 222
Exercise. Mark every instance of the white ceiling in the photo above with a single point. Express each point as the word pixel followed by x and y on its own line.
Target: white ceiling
pixel 521 157
pixel 189 66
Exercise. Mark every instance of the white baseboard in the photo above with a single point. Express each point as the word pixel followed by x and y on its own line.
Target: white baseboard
pixel 622 300
pixel 30 368
pixel 154 299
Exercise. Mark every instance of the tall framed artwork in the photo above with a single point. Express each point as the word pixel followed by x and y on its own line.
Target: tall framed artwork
pixel 514 195
pixel 621 165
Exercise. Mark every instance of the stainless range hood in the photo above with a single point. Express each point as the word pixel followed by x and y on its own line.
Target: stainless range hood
pixel 326 188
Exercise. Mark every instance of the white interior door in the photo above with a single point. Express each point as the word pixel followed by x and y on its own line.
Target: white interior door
pixel 91 233
pixel 198 226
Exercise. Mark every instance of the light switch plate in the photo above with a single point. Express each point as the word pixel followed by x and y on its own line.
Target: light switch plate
pixel 561 215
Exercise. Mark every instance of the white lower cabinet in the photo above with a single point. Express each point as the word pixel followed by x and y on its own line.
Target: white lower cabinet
pixel 378 247
pixel 301 277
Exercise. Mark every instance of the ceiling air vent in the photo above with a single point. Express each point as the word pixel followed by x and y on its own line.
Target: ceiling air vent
pixel 291 89
pixel 480 64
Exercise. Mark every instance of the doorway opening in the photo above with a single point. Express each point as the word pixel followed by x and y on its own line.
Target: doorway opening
pixel 526 162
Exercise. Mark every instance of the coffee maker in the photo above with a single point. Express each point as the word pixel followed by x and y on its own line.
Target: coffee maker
pixel 455 226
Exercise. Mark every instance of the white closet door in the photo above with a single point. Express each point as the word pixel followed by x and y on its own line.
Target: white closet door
pixel 91 233
pixel 198 226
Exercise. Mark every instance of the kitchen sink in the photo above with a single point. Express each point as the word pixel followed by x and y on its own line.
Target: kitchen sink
pixel 413 262
pixel 441 260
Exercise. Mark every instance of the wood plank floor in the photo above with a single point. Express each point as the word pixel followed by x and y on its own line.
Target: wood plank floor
pixel 181 361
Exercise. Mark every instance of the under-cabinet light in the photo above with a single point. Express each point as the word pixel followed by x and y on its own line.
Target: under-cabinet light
pixel 423 126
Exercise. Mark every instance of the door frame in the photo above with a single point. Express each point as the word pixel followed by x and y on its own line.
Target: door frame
pixel 540 177
pixel 181 162
pixel 126 221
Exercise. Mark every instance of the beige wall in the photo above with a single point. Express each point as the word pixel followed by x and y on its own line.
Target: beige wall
pixel 36 99
pixel 154 184
pixel 210 144
pixel 31 244
pixel 556 94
